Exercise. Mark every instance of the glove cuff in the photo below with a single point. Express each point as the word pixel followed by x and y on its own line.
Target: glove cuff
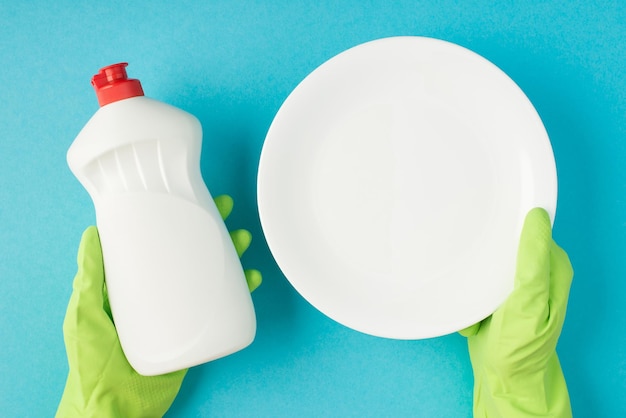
pixel 543 394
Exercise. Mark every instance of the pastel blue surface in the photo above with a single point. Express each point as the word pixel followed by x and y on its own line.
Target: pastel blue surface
pixel 232 63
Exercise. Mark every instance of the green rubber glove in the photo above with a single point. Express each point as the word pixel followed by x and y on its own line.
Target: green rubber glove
pixel 513 352
pixel 100 382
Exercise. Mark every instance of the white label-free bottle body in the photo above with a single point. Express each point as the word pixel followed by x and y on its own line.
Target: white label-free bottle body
pixel 177 291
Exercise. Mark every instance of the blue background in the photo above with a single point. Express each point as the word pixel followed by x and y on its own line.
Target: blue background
pixel 232 63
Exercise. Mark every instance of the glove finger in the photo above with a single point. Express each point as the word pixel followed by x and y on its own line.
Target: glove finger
pixel 562 274
pixel 106 304
pixel 87 329
pixel 224 205
pixel 471 330
pixel 529 299
pixel 87 301
pixel 253 278
pixel 242 239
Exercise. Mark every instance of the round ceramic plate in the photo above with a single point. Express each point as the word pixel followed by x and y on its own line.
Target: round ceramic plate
pixel 394 182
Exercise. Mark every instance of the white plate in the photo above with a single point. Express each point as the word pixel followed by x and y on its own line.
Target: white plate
pixel 394 182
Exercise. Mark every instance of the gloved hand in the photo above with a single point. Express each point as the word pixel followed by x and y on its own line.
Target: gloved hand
pixel 101 382
pixel 513 352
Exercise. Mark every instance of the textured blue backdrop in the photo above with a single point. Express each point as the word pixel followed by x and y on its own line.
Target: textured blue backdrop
pixel 232 63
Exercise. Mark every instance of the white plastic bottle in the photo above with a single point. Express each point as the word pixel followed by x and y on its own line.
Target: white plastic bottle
pixel 176 286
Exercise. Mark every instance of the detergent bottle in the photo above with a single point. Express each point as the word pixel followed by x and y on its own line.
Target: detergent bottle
pixel 176 287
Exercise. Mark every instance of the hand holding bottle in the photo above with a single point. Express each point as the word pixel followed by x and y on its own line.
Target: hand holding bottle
pixel 101 382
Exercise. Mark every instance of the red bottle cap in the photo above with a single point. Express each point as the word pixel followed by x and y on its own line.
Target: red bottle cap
pixel 112 84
